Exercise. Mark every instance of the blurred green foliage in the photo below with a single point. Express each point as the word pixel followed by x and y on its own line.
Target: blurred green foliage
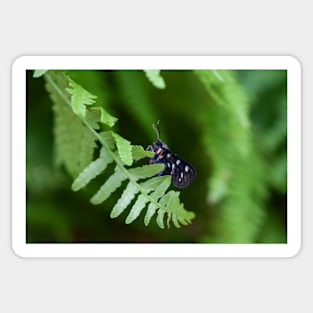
pixel 231 125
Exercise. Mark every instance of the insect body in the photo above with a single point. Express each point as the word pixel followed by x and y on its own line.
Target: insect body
pixel 181 171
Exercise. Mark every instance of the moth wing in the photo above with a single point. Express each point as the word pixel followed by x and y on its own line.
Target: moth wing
pixel 182 172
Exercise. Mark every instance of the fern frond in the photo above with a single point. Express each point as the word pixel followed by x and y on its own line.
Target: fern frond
pixel 237 180
pixel 75 117
pixel 74 144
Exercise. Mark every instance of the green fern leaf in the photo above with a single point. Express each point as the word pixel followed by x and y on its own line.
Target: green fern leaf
pixel 106 118
pixel 155 183
pixel 237 179
pixel 142 200
pixel 139 153
pixel 136 209
pixel 74 144
pixel 80 98
pixel 39 73
pixel 175 221
pixel 130 192
pixel 111 184
pixel 161 188
pixel 160 218
pixel 173 202
pixel 157 194
pixel 93 118
pixel 152 208
pixel 146 171
pixel 97 115
pixel 107 139
pixel 166 200
pixel 155 78
pixel 124 149
pixel 128 195
pixel 92 170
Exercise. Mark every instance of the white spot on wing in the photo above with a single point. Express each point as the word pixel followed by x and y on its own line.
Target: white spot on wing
pixel 168 155
pixel 186 168
pixel 177 162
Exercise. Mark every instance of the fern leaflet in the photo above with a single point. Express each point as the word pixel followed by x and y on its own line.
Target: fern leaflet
pixel 74 144
pixel 155 78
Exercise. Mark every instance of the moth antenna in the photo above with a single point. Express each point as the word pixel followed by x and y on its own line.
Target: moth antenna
pixel 156 127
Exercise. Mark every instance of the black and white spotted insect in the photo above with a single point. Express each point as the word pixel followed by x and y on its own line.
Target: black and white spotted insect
pixel 181 171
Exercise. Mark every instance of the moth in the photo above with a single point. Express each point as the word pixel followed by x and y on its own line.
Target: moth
pixel 182 172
